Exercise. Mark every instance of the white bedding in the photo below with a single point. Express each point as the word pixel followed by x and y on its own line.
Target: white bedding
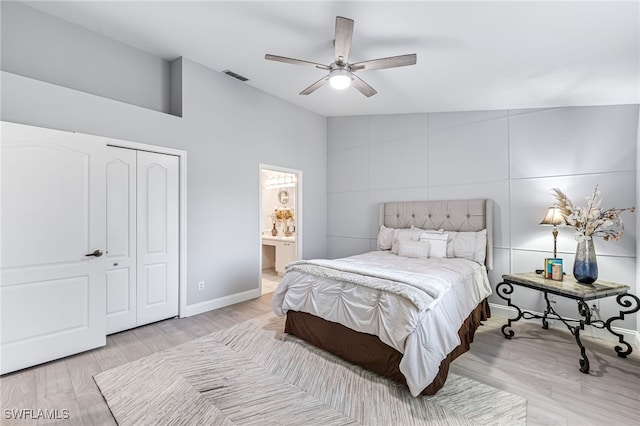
pixel 421 292
pixel 424 335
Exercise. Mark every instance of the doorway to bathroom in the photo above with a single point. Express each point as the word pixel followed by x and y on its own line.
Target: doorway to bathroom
pixel 280 222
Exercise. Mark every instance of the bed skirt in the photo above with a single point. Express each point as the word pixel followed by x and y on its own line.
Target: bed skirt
pixel 368 351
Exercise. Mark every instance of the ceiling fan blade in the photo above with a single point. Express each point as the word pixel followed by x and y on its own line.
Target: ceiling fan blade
pixel 344 33
pixel 392 62
pixel 315 86
pixel 362 87
pixel 294 61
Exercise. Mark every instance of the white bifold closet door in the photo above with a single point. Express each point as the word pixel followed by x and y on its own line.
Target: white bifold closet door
pixel 142 238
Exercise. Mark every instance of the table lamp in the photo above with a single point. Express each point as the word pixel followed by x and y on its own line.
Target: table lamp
pixel 554 217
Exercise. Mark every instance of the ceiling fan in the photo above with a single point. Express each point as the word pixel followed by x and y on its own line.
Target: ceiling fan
pixel 341 72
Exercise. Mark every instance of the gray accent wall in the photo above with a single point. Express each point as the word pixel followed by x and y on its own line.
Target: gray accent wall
pixel 227 129
pixel 513 157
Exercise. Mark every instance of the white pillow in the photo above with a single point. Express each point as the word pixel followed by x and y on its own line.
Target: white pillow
pixel 468 245
pixel 438 243
pixel 385 238
pixel 430 231
pixel 404 234
pixel 414 249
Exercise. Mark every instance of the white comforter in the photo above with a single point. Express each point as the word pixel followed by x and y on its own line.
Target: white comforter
pixel 423 331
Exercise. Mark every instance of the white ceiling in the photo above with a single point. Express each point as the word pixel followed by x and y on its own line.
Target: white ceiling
pixel 473 55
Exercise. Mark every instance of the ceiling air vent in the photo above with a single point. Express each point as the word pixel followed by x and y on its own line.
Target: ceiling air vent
pixel 234 75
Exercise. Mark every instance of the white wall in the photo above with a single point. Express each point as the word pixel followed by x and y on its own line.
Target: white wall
pixel 227 129
pixel 85 61
pixel 512 157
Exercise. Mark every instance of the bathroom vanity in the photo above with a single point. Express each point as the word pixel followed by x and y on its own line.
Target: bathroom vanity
pixel 284 251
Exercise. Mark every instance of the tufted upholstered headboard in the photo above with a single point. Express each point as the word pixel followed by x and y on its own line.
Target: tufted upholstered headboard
pixel 450 215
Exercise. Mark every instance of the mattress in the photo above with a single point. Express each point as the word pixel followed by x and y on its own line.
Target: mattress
pixel 423 332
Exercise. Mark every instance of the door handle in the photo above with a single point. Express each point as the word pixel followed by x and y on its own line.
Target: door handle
pixel 96 253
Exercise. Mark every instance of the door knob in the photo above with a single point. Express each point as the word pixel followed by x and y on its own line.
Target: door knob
pixel 96 253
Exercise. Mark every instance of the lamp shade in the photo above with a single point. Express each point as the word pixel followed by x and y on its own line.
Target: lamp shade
pixel 339 79
pixel 553 217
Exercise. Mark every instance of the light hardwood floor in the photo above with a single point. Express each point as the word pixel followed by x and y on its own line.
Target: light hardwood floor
pixel 541 365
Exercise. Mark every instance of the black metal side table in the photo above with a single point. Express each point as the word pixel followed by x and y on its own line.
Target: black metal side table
pixel 571 289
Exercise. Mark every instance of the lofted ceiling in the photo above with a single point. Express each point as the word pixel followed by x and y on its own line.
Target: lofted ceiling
pixel 472 55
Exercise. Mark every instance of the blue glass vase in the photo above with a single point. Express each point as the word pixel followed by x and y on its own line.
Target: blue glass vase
pixel 585 266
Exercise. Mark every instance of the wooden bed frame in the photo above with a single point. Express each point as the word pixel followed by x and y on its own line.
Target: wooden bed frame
pixel 368 350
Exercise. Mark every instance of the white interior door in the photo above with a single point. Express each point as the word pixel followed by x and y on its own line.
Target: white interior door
pixel 157 236
pixel 52 294
pixel 121 239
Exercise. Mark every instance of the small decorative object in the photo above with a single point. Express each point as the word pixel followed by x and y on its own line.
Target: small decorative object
pixel 590 221
pixel 556 272
pixel 549 263
pixel 274 231
pixel 283 215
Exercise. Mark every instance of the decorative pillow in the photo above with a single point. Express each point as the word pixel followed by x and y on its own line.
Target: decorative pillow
pixel 414 249
pixel 438 243
pixel 430 231
pixel 385 238
pixel 404 234
pixel 468 245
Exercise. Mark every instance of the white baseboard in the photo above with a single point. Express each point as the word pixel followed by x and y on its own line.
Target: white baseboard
pixel 221 302
pixel 630 336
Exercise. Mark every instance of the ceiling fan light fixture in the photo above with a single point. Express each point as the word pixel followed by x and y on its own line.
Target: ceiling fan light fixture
pixel 339 79
pixel 341 72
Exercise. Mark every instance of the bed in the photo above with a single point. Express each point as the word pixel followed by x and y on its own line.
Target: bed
pixel 407 309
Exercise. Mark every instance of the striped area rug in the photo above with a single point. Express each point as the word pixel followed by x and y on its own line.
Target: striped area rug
pixel 253 373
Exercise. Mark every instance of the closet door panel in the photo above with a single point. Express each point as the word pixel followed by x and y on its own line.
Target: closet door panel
pixel 121 239
pixel 121 302
pixel 157 236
